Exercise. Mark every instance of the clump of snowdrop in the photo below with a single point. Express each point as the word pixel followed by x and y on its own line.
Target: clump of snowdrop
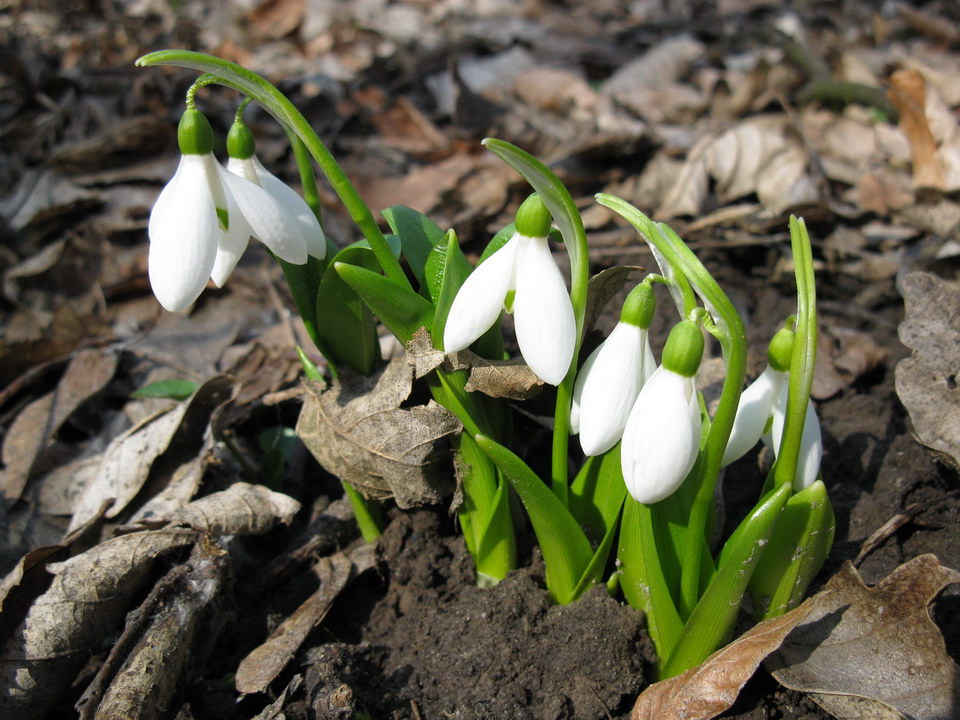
pixel 521 277
pixel 661 439
pixel 204 218
pixel 611 378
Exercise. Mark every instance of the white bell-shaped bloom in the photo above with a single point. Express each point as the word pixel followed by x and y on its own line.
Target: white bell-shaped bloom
pixel 543 313
pixel 295 206
pixel 607 387
pixel 661 439
pixel 753 414
pixel 811 443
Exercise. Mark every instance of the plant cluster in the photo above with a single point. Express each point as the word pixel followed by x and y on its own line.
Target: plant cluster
pixel 640 512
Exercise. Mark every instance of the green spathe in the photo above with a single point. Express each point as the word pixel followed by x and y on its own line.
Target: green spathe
pixel 533 219
pixel 639 306
pixel 684 349
pixel 240 141
pixel 194 134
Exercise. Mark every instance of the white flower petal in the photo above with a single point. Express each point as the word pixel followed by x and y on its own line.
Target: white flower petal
pixel 662 437
pixel 811 443
pixel 543 314
pixel 270 223
pixel 231 244
pixel 183 236
pixel 297 207
pixel 480 299
pixel 756 406
pixel 606 388
pixel 245 168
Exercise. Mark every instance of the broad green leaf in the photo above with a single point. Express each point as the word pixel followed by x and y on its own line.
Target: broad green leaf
pixel 303 281
pixel 171 389
pixel 566 550
pixel 346 328
pixel 795 553
pixel 641 578
pixel 418 235
pixel 594 571
pixel 399 308
pixel 713 618
pixel 597 492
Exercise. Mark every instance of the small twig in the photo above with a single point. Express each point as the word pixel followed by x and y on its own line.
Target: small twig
pixel 890 527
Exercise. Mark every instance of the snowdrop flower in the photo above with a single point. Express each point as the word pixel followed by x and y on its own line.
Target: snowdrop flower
pixel 543 314
pixel 205 212
pixel 760 415
pixel 611 378
pixel 661 439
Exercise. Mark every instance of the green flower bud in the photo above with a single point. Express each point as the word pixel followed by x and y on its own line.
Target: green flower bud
pixel 780 350
pixel 639 306
pixel 240 142
pixel 194 134
pixel 684 349
pixel 533 219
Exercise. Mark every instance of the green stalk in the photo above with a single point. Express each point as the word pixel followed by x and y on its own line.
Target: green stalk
pixel 804 355
pixel 731 335
pixel 276 103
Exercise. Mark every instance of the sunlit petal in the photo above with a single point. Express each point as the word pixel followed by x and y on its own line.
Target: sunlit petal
pixel 480 299
pixel 662 437
pixel 756 406
pixel 606 388
pixel 297 207
pixel 183 237
pixel 543 314
pixel 811 442
pixel 231 243
pixel 270 223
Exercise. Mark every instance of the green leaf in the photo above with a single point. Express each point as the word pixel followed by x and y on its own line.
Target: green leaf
pixel 168 389
pixel 399 308
pixel 795 553
pixel 713 618
pixel 597 492
pixel 594 571
pixel 566 550
pixel 346 327
pixel 303 281
pixel 642 580
pixel 418 235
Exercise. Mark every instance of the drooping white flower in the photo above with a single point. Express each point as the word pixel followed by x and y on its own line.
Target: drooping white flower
pixel 543 314
pixel 611 378
pixel 661 439
pixel 203 219
pixel 753 414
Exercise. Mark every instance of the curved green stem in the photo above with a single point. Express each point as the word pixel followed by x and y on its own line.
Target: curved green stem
pixel 276 103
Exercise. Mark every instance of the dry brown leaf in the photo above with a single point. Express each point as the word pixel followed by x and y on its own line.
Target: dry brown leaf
pixel 128 461
pixel 926 382
pixel 273 19
pixel 875 653
pixel 705 691
pixel 241 509
pixel 163 643
pixel 86 601
pixel 908 95
pixel 88 372
pixel 421 188
pixel 602 287
pixel 663 65
pixel 258 669
pixel 357 431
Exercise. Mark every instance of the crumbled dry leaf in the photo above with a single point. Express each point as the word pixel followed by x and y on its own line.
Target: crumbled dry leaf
pixel 87 373
pixel 273 19
pixel 258 669
pixel 663 65
pixel 128 461
pixel 926 382
pixel 511 379
pixel 866 653
pixel 422 188
pixel 907 94
pixel 241 509
pixel 164 642
pixel 705 691
pixel 357 431
pixel 87 600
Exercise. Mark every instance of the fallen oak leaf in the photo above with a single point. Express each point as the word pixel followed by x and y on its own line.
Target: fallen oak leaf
pixel 874 653
pixel 357 431
pixel 908 93
pixel 710 688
